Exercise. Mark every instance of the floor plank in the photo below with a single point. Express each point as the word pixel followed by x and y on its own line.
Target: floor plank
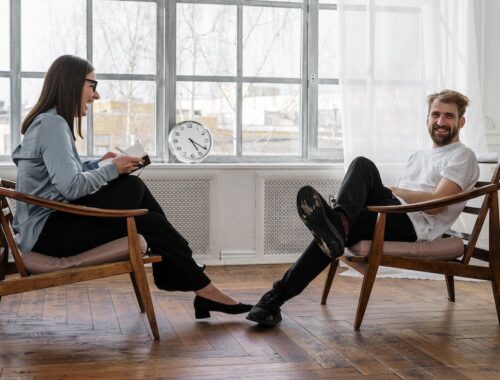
pixel 95 330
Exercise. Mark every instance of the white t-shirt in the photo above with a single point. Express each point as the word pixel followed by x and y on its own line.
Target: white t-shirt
pixel 423 172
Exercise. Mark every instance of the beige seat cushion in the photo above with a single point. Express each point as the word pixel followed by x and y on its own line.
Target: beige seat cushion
pixel 116 250
pixel 443 249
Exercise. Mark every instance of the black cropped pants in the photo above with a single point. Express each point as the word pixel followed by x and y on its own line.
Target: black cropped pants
pixel 361 187
pixel 67 234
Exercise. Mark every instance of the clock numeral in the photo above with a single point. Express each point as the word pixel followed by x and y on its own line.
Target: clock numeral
pixel 199 153
pixel 190 125
pixel 184 153
pixel 178 148
pixel 177 134
pixel 206 140
pixel 203 133
pixel 192 155
pixel 176 141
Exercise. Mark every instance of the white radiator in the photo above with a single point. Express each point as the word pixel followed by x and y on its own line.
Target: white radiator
pixel 186 203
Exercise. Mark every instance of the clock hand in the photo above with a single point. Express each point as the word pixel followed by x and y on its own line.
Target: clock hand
pixel 201 146
pixel 194 144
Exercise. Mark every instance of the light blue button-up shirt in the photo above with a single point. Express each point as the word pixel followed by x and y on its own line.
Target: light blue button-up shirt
pixel 48 166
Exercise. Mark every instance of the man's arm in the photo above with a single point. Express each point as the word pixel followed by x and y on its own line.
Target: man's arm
pixel 444 188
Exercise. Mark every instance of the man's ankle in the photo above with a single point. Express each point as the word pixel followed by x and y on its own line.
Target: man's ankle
pixel 345 222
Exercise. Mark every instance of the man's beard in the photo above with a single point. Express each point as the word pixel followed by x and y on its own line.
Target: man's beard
pixel 443 140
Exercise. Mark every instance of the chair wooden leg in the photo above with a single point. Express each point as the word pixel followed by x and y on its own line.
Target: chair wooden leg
pixel 495 283
pixel 364 297
pixel 450 286
pixel 4 258
pixel 145 295
pixel 137 294
pixel 140 277
pixel 494 243
pixel 329 279
pixel 374 260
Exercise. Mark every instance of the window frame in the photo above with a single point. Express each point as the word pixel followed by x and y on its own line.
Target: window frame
pixel 166 78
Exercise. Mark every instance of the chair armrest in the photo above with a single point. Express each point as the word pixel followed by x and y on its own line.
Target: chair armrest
pixel 438 202
pixel 70 208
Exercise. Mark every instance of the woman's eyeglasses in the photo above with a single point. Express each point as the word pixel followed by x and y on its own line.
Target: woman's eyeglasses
pixel 94 84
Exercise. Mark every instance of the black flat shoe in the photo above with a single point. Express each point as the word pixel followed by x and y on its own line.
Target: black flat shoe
pixel 203 307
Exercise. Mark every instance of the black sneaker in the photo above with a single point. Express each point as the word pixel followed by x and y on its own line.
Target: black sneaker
pixel 267 311
pixel 324 223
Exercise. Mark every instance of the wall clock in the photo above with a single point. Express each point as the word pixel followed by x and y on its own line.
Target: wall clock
pixel 190 142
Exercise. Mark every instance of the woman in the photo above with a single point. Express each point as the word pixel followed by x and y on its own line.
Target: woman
pixel 49 167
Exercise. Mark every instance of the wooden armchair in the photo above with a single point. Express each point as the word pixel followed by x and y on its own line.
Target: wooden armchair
pixel 449 256
pixel 38 271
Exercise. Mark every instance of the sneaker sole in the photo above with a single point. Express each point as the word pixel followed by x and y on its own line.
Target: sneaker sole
pixel 311 209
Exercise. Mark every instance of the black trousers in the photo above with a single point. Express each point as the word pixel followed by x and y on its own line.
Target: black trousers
pixel 361 186
pixel 66 234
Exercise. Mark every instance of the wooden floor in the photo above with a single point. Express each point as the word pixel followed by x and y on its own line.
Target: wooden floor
pixel 95 330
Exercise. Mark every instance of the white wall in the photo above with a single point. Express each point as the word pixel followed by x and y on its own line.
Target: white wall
pixel 491 74
pixel 237 211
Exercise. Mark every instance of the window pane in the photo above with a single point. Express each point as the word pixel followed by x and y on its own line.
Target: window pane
pixel 124 37
pixel 329 122
pixel 213 105
pixel 288 1
pixel 356 51
pixel 400 3
pixel 397 46
pixel 4 35
pixel 49 29
pixel 402 113
pixel 272 40
pixel 30 93
pixel 206 39
pixel 4 116
pixel 328 44
pixel 396 3
pixel 271 119
pixel 125 113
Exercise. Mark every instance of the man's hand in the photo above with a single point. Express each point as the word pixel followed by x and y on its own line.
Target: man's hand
pixel 444 188
pixel 127 164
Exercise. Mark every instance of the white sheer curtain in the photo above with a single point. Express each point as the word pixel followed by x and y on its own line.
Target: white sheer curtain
pixel 393 54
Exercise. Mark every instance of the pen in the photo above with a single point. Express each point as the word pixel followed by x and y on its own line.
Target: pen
pixel 121 151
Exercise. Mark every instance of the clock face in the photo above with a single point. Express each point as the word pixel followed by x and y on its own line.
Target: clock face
pixel 190 142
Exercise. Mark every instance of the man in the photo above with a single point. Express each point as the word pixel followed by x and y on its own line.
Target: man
pixel 447 168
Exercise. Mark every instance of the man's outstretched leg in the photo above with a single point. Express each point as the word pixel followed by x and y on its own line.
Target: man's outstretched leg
pixel 267 311
pixel 330 227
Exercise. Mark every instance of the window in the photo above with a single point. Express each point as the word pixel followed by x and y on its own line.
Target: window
pixel 4 78
pixel 263 75
pixel 119 37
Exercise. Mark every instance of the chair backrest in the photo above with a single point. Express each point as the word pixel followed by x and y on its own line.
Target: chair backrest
pixel 470 247
pixel 7 232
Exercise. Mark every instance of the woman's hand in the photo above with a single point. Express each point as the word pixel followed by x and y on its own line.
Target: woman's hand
pixel 127 164
pixel 108 155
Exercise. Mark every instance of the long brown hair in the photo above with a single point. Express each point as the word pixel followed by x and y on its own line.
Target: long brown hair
pixel 62 89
